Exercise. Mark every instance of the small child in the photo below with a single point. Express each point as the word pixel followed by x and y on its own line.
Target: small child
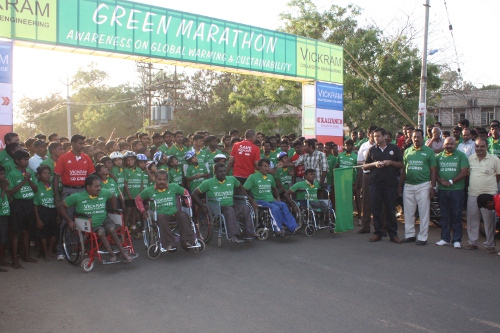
pixel 195 172
pixel 117 169
pixel 45 213
pixel 135 182
pixel 4 217
pixel 22 188
pixel 109 183
pixel 174 171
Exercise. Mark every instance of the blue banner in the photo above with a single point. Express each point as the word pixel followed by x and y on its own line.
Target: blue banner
pixel 6 62
pixel 329 96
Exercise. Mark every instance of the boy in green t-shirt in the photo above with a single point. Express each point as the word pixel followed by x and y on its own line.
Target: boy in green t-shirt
pixel 135 180
pixel 307 190
pixel 195 172
pixel 22 188
pixel 175 174
pixel 283 175
pixel 45 213
pixel 117 169
pixel 4 217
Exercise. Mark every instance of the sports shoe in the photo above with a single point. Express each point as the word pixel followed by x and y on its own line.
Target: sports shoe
pixel 235 239
pixel 457 245
pixel 60 257
pixel 442 242
pixel 359 222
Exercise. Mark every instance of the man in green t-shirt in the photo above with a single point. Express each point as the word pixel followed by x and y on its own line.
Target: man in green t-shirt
pixel 452 168
pixel 493 140
pixel 178 149
pixel 22 189
pixel 92 202
pixel 306 190
pixel 211 151
pixel 419 179
pixel 222 188
pixel 266 153
pixel 165 195
pixel 262 186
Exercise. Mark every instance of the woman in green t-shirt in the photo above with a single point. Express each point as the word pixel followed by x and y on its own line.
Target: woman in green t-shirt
pixel 92 202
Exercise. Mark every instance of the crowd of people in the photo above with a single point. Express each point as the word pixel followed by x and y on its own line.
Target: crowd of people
pixel 46 180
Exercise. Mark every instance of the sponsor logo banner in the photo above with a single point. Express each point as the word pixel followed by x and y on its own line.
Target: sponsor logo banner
pixel 5 63
pixel 329 96
pixel 329 122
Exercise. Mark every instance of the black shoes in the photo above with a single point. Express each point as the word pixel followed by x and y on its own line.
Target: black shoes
pixel 421 243
pixel 409 240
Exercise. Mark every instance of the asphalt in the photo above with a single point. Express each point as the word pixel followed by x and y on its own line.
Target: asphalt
pixel 324 283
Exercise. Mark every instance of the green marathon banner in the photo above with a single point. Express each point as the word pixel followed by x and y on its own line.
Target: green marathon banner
pixel 129 28
pixel 343 199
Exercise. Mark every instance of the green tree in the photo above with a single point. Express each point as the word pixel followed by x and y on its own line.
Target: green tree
pixel 97 108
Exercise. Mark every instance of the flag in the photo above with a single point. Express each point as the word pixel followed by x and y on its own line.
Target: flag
pixel 343 199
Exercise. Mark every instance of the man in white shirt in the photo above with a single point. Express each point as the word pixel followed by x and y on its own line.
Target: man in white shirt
pixel 468 147
pixel 363 182
pixel 40 154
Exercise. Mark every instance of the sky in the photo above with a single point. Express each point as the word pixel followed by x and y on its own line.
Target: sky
pixel 38 73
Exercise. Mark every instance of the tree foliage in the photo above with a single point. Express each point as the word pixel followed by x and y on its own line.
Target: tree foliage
pixel 390 61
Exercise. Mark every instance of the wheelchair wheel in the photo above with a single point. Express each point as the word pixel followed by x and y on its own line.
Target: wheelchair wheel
pixel 298 215
pixel 86 265
pixel 263 234
pixel 201 248
pixel 72 242
pixel 309 230
pixel 204 225
pixel 154 251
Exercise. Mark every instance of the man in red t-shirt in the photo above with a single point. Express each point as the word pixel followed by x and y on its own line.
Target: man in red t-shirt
pixel 72 168
pixel 299 169
pixel 244 157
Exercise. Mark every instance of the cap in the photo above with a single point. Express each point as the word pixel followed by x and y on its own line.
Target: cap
pixel 280 155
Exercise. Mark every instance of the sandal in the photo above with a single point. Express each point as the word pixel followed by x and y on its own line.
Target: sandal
pixel 490 250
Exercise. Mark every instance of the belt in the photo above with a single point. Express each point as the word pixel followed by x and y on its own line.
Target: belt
pixel 74 187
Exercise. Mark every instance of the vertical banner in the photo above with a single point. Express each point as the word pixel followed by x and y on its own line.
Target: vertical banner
pixel 6 115
pixel 343 199
pixel 330 113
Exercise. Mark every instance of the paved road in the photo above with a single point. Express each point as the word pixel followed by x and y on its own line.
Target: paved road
pixel 326 283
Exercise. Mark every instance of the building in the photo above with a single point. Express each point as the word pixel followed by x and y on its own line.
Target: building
pixel 480 107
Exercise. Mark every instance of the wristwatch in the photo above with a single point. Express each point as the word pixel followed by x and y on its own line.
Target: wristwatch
pixel 451 181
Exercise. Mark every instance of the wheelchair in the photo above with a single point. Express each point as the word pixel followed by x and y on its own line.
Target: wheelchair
pixel 151 235
pixel 315 215
pixel 82 241
pixel 217 221
pixel 263 222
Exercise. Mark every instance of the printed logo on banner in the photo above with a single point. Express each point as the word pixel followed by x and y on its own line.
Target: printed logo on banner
pixel 5 62
pixel 329 96
pixel 329 122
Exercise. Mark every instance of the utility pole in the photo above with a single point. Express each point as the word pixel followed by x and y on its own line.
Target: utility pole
pixel 68 104
pixel 422 107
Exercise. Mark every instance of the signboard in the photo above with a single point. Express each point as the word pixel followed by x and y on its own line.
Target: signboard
pixel 125 27
pixel 6 114
pixel 329 121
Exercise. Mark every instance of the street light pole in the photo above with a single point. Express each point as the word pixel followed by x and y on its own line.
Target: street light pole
pixel 68 111
pixel 422 107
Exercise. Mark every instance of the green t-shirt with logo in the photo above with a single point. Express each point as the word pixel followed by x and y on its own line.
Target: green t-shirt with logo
pixel 209 159
pixel 44 196
pixel 85 205
pixel 15 177
pixel 312 190
pixel 494 146
pixel 164 149
pixel 449 167
pixel 418 163
pixel 165 200
pixel 220 190
pixel 7 162
pixel 261 186
pixel 193 170
pixel 136 180
pixel 110 185
pixel 175 175
pixel 202 155
pixel 4 205
pixel 284 176
pixel 119 173
pixel 179 153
